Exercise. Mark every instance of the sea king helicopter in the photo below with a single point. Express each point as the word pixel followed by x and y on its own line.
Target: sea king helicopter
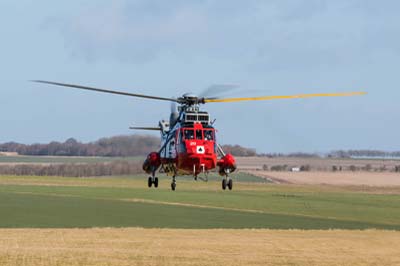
pixel 188 140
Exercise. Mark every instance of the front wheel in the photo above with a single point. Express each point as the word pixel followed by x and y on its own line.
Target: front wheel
pixel 149 181
pixel 230 184
pixel 156 182
pixel 224 184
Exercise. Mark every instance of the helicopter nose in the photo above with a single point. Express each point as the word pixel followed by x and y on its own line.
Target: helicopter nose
pixel 202 162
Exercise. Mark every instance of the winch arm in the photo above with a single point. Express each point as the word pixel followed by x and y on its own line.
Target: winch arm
pixel 220 151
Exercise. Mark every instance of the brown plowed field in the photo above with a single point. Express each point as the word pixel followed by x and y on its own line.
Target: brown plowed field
pixel 321 164
pixel 321 171
pixel 332 178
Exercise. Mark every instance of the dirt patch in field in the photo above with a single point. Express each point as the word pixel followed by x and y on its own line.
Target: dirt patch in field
pixel 8 154
pixel 317 164
pixel 332 178
pixel 135 246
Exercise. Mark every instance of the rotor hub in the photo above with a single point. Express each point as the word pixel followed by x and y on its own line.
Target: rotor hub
pixel 190 99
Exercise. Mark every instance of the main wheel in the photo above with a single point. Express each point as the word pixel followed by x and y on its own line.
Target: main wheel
pixel 224 184
pixel 149 181
pixel 230 184
pixel 173 186
pixel 156 182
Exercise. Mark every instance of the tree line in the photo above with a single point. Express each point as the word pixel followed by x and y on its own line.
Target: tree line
pixel 337 154
pixel 363 153
pixel 115 168
pixel 293 155
pixel 117 146
pixel 237 150
pixel 141 145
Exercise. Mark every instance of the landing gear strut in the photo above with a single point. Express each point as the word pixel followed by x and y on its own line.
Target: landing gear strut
pixel 227 181
pixel 173 184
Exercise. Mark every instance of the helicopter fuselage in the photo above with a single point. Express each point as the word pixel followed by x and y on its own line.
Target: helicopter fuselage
pixel 191 151
pixel 189 148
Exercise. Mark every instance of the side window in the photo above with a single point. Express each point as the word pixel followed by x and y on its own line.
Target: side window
pixel 199 134
pixel 208 135
pixel 189 133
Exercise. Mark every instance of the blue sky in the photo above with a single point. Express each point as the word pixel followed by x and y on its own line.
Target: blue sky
pixel 167 48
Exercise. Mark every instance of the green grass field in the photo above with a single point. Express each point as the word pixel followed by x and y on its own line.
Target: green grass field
pixel 55 202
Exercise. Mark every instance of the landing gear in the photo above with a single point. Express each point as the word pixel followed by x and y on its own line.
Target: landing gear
pixel 230 184
pixel 173 184
pixel 152 180
pixel 227 182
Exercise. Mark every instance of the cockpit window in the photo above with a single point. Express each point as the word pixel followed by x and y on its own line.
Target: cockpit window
pixel 189 133
pixel 208 135
pixel 199 134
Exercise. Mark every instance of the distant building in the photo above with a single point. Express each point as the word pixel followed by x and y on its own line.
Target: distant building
pixel 295 169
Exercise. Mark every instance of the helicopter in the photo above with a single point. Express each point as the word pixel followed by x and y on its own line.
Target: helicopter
pixel 188 140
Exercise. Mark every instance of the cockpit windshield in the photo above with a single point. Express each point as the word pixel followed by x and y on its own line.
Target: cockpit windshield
pixel 189 133
pixel 208 135
pixel 199 134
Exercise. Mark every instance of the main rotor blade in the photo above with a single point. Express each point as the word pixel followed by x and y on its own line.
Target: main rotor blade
pixel 266 98
pixel 213 91
pixel 106 91
pixel 146 128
